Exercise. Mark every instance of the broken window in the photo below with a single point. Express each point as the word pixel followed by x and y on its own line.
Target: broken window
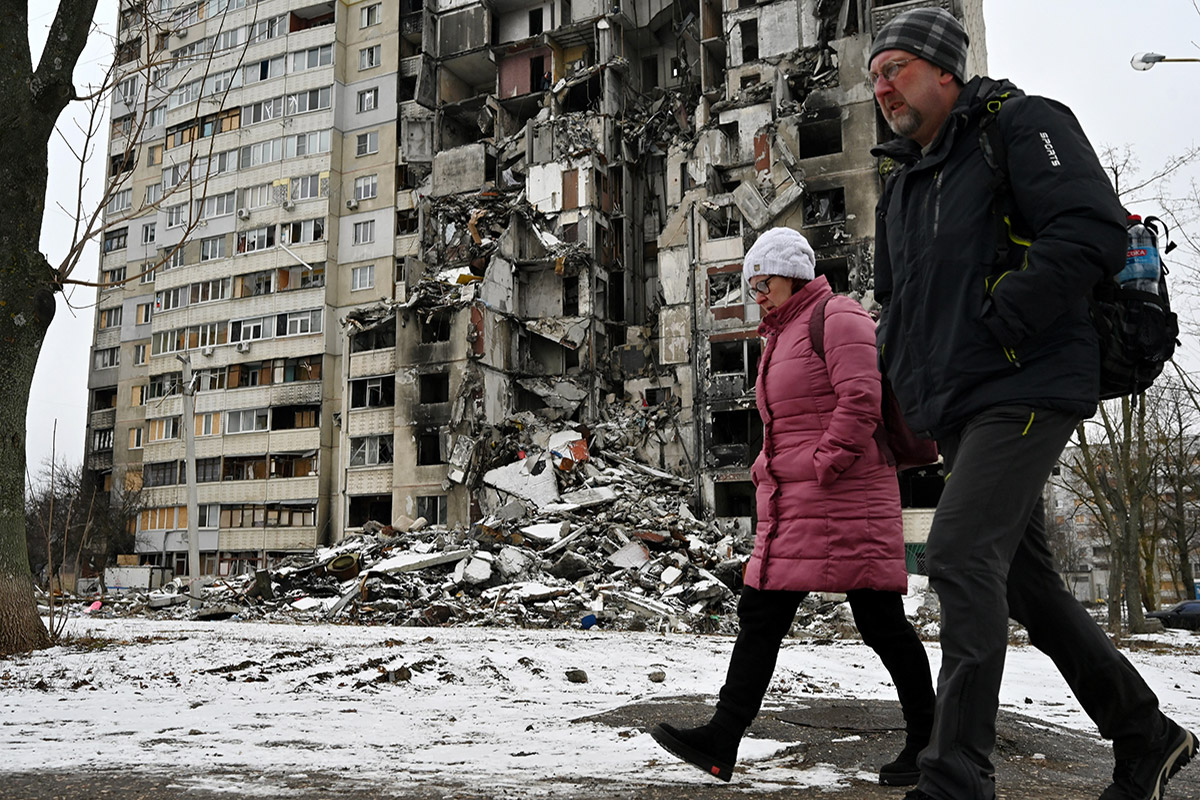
pixel 738 357
pixel 286 418
pixel 650 72
pixel 570 297
pixel 434 388
pixel 539 76
pixel 367 508
pixel 429 447
pixel 723 222
pixel 730 129
pixel 121 162
pixel 432 508
pixel 736 427
pixel 821 135
pixel 837 272
pixel 657 395
pixel 381 337
pixel 725 289
pixel 373 392
pixel 407 221
pixel 255 373
pixel 293 465
pixel 535 21
pixel 685 177
pixel 733 499
pixel 749 30
pixel 435 326
pixel 825 207
pixel 370 451
pixel 244 468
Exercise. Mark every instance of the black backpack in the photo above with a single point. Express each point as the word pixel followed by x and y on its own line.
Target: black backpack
pixel 1137 330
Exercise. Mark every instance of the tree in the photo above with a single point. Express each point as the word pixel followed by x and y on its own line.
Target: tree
pixel 1182 479
pixel 31 100
pixel 73 524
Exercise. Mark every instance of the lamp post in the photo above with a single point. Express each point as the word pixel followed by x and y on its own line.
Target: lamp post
pixel 1144 61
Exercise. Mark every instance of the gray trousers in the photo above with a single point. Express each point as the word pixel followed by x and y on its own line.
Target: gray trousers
pixel 988 560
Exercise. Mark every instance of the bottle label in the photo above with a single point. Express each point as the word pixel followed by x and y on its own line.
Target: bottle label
pixel 1141 264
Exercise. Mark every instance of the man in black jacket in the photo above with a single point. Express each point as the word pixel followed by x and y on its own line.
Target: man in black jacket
pixel 986 339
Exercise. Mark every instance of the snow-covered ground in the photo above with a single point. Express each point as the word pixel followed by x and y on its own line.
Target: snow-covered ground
pixel 398 706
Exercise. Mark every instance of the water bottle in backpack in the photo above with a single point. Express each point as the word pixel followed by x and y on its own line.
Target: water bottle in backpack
pixel 1145 317
pixel 1141 258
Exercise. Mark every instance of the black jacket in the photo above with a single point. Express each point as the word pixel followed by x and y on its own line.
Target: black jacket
pixel 959 332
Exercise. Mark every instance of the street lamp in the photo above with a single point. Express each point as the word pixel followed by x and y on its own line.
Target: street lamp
pixel 1144 61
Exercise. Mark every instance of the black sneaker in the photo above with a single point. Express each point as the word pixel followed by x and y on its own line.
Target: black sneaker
pixel 917 794
pixel 702 747
pixel 1144 778
pixel 903 770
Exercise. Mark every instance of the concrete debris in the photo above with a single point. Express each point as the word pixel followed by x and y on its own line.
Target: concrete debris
pixel 608 538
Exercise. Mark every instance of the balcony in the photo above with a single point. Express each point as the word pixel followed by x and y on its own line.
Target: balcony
pixel 412 25
pixel 103 419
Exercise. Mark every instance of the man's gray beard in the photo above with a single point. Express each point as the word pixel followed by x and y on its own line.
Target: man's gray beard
pixel 907 124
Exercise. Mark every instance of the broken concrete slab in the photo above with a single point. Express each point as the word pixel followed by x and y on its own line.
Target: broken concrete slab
pixel 529 479
pixel 631 556
pixel 546 532
pixel 407 562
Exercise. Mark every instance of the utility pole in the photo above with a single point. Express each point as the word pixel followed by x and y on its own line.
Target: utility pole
pixel 193 511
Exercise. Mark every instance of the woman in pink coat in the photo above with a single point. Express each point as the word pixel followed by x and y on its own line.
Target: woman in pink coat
pixel 828 507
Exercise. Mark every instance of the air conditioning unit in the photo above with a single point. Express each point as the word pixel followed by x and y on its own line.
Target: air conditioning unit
pixel 181 33
pixel 288 205
pixel 243 347
pixel 352 203
pixel 207 350
pixel 243 213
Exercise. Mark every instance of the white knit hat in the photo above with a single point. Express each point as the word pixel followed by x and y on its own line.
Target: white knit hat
pixel 780 251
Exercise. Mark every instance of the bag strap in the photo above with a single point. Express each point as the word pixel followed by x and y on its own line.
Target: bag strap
pixel 816 326
pixel 816 334
pixel 995 153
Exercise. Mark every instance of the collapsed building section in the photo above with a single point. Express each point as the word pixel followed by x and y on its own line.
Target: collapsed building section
pixel 413 249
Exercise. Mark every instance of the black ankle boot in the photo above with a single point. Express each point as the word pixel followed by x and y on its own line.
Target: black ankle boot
pixel 903 770
pixel 710 747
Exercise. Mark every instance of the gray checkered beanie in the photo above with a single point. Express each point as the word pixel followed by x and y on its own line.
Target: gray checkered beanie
pixel 931 33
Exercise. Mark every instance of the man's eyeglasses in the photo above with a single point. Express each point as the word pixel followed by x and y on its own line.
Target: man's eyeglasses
pixel 762 286
pixel 888 71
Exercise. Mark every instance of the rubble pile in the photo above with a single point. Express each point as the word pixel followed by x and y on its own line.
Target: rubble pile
pixel 570 537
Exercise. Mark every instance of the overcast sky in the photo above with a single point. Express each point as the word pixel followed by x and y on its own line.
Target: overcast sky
pixel 1076 51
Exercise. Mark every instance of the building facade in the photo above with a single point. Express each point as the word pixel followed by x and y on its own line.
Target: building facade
pixel 390 239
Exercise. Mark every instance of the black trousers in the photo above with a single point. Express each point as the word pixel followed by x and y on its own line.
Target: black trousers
pixel 765 618
pixel 989 560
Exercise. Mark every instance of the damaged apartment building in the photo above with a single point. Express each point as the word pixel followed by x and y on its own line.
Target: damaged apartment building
pixel 402 244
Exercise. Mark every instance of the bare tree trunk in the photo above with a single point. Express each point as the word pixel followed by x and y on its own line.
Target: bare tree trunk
pixel 30 103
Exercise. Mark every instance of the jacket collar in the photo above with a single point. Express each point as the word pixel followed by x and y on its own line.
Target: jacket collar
pixel 794 306
pixel 971 102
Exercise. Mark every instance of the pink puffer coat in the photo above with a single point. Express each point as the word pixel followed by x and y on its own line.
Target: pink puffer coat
pixel 828 503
